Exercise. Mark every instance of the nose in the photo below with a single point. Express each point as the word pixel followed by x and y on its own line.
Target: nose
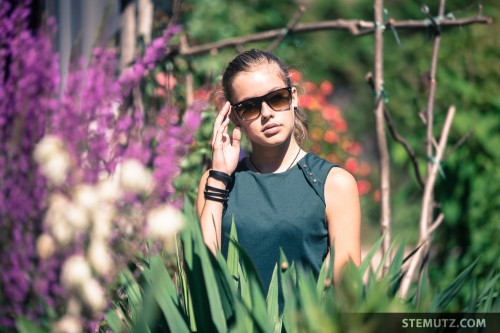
pixel 266 110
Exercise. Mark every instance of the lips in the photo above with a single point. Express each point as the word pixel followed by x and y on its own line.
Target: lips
pixel 270 127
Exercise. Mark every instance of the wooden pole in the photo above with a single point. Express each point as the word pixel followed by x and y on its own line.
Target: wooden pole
pixel 384 168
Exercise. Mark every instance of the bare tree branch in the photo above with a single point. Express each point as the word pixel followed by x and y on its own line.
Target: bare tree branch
pixel 398 137
pixel 189 88
pixel 436 223
pixel 406 145
pixel 430 140
pixel 427 204
pixel 291 24
pixel 459 143
pixel 176 13
pixel 355 27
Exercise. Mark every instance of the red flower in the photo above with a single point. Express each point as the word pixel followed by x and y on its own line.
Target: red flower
pixel 202 94
pixel 295 75
pixel 364 187
pixel 306 101
pixel 365 169
pixel 316 149
pixel 309 87
pixel 351 165
pixel 354 149
pixel 330 136
pixel 340 124
pixel 326 87
pixel 330 112
pixel 166 81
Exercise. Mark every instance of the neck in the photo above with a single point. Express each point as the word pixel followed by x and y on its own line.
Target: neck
pixel 275 159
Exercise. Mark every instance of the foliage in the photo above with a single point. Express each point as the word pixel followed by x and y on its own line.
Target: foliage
pixel 86 174
pixel 100 125
pixel 209 294
pixel 467 77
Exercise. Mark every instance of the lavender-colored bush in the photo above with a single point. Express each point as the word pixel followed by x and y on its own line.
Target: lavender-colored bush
pixel 84 179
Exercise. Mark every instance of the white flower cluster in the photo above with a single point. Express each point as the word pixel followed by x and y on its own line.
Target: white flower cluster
pixel 164 223
pixel 94 213
pixel 53 158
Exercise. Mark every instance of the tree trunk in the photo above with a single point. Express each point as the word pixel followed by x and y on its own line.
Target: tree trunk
pixel 145 19
pixel 128 35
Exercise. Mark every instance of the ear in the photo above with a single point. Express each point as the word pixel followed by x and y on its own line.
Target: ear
pixel 295 97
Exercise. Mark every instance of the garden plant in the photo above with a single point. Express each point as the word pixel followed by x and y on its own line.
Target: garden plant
pixel 98 175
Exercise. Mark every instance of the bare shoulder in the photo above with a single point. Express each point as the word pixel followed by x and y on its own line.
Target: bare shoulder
pixel 339 179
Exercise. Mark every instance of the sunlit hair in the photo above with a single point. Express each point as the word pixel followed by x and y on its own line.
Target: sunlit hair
pixel 248 61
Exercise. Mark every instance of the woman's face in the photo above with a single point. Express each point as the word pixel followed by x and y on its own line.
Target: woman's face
pixel 272 127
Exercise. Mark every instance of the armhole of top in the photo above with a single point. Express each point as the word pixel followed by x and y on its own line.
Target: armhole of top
pixel 316 170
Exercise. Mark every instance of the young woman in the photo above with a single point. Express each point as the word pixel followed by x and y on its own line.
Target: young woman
pixel 280 196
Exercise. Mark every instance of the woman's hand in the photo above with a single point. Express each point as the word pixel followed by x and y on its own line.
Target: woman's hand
pixel 225 152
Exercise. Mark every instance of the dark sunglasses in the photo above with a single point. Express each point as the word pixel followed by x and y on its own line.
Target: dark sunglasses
pixel 250 109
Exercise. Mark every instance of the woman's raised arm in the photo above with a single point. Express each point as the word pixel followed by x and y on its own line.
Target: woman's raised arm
pixel 225 154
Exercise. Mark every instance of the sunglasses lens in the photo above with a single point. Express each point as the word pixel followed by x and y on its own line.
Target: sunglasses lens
pixel 279 100
pixel 248 110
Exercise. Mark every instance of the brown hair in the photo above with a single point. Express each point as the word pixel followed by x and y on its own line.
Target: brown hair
pixel 246 61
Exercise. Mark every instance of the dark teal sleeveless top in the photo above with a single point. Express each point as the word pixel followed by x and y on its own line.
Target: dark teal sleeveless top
pixel 280 210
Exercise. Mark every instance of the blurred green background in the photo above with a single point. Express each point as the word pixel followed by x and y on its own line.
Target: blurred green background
pixel 468 190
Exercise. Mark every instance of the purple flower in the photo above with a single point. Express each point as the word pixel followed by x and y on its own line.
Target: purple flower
pixel 99 129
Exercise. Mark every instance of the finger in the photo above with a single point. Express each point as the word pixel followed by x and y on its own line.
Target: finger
pixel 236 137
pixel 220 119
pixel 223 113
pixel 220 133
pixel 223 136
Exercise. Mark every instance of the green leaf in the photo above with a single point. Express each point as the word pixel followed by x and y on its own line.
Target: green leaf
pixel 385 257
pixel 412 253
pixel 232 254
pixel 246 297
pixel 254 288
pixel 158 270
pixel 372 280
pixel 185 293
pixel 423 293
pixel 310 303
pixel 397 261
pixel 395 272
pixel 471 307
pixel 489 293
pixel 133 292
pixel 288 278
pixel 114 322
pixel 228 290
pixel 320 285
pixel 444 298
pixel 272 297
pixel 366 262
pixel 165 296
pixel 491 283
pixel 201 279
pixel 488 302
pixel 148 314
pixel 24 325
